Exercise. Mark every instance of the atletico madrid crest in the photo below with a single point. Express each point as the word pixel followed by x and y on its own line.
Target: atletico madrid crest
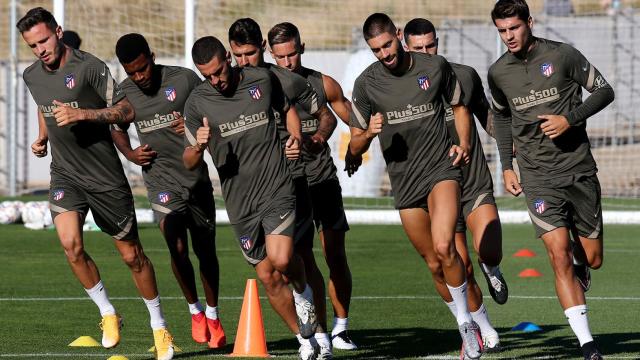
pixel 58 195
pixel 246 242
pixel 164 197
pixel 170 93
pixel 70 81
pixel 255 92
pixel 547 69
pixel 423 82
pixel 540 206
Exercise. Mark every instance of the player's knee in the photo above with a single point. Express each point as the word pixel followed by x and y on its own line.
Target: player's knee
pixel 268 279
pixel 445 251
pixel 281 263
pixel 75 254
pixel 560 260
pixel 435 267
pixel 134 260
pixel 595 262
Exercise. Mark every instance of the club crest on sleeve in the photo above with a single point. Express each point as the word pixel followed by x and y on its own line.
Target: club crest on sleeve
pixel 70 81
pixel 423 82
pixel 539 205
pixel 57 195
pixel 170 93
pixel 547 69
pixel 255 92
pixel 164 197
pixel 245 242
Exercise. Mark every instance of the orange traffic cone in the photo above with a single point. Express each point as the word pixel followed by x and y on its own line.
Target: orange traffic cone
pixel 524 253
pixel 529 273
pixel 250 339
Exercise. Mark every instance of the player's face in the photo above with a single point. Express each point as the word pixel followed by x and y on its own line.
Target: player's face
pixel 217 72
pixel 45 43
pixel 426 43
pixel 246 54
pixel 287 55
pixel 140 71
pixel 386 47
pixel 514 32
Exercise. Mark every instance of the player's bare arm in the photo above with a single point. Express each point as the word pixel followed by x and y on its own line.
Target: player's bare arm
pixel 463 119
pixel 294 127
pixel 178 124
pixel 326 124
pixel 142 155
pixel 39 146
pixel 361 139
pixel 120 113
pixel 335 97
pixel 192 156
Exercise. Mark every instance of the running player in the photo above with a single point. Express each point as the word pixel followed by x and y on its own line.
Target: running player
pixel 232 115
pixel 537 99
pixel 400 98
pixel 248 46
pixel 182 200
pixel 479 209
pixel 324 187
pixel 77 101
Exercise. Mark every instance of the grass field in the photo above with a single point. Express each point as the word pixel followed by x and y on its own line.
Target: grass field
pixel 395 313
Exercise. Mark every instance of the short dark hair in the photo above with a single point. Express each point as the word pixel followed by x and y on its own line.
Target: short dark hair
pixel 206 48
pixel 71 38
pixel 130 46
pixel 246 31
pixel 418 26
pixel 377 24
pixel 282 33
pixel 36 16
pixel 510 8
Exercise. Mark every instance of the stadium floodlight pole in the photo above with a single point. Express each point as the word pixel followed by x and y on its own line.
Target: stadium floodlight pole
pixel 58 12
pixel 189 25
pixel 12 117
pixel 499 188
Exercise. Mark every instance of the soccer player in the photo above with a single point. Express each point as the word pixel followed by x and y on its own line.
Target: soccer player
pixel 248 46
pixel 479 209
pixel 400 99
pixel 182 200
pixel 324 187
pixel 536 87
pixel 232 115
pixel 77 100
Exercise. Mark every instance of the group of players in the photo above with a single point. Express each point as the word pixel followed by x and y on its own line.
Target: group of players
pixel 266 128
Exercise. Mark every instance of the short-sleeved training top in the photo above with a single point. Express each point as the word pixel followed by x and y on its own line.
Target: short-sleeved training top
pixel 244 143
pixel 154 115
pixel 548 82
pixel 301 93
pixel 414 138
pixel 82 152
pixel 318 167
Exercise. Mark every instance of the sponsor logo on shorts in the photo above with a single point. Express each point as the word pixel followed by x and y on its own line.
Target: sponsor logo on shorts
pixel 412 112
pixel 255 92
pixel 539 205
pixel 535 98
pixel 70 81
pixel 170 93
pixel 164 197
pixel 58 195
pixel 423 82
pixel 246 242
pixel 547 69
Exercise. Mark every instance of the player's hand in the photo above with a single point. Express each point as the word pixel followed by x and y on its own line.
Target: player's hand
pixel 351 162
pixel 39 147
pixel 65 114
pixel 461 154
pixel 553 125
pixel 203 135
pixel 178 123
pixel 143 155
pixel 313 144
pixel 375 125
pixel 292 148
pixel 511 183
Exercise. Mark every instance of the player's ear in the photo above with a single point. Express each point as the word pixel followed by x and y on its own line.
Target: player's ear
pixel 301 51
pixel 530 22
pixel 153 57
pixel 264 45
pixel 59 32
pixel 399 34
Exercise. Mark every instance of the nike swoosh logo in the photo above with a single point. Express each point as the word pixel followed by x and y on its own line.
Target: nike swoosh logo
pixel 104 71
pixel 284 215
pixel 122 221
pixel 583 312
pixel 585 67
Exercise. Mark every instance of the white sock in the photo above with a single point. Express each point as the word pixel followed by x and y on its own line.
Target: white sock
pixel 306 294
pixel 323 339
pixel 481 317
pixel 99 296
pixel 339 325
pixel 195 308
pixel 212 312
pixel 577 316
pixel 155 313
pixel 459 295
pixel 302 340
pixel 452 308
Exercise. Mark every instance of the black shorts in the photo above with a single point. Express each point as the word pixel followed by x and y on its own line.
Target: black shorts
pixel 469 204
pixel 303 237
pixel 113 210
pixel 328 210
pixel 451 173
pixel 196 204
pixel 577 205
